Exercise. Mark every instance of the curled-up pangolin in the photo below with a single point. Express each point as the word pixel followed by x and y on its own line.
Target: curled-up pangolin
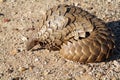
pixel 78 35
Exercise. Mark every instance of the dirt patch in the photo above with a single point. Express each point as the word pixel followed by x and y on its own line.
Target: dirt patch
pixel 19 18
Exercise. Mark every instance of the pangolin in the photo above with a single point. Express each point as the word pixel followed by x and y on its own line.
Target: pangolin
pixel 77 34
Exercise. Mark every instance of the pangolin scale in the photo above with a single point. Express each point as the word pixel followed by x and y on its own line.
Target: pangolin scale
pixel 78 35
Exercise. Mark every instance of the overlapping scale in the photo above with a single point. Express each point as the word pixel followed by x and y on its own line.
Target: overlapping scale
pixel 82 36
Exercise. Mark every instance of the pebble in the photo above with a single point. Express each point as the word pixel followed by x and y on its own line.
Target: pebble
pixel 31 68
pixel 1 74
pixel 98 75
pixel 1 14
pixel 20 49
pixel 36 59
pixel 46 72
pixel 2 1
pixel 116 63
pixel 14 52
pixel 6 20
pixel 23 38
pixel 17 78
pixel 22 69
pixel 116 66
pixel 10 70
pixel 83 71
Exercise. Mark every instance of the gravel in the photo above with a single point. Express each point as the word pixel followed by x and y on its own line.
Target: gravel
pixel 19 18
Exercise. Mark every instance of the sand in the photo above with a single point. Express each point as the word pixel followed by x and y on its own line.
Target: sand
pixel 19 18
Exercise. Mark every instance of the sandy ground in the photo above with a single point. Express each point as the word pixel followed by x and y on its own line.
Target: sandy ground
pixel 19 18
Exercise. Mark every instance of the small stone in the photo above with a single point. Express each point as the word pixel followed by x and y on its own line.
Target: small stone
pixel 31 68
pixel 98 75
pixel 45 62
pixel 1 14
pixel 1 74
pixel 10 70
pixel 21 69
pixel 36 59
pixel 14 52
pixel 117 69
pixel 46 72
pixel 17 78
pixel 116 63
pixel 15 29
pixel 90 73
pixel 24 38
pixel 103 78
pixel 2 1
pixel 20 49
pixel 30 29
pixel 90 8
pixel 81 72
pixel 6 20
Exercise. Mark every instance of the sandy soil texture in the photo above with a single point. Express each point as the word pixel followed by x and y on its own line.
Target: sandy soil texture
pixel 19 18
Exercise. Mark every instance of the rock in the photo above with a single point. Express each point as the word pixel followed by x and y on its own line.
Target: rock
pixel 23 38
pixel 17 78
pixel 1 74
pixel 2 1
pixel 10 70
pixel 116 63
pixel 36 59
pixel 46 72
pixel 31 67
pixel 22 69
pixel 14 52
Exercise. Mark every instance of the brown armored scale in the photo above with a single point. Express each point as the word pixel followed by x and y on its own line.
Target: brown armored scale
pixel 78 35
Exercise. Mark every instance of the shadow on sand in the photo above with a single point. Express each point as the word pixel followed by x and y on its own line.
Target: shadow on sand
pixel 115 27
